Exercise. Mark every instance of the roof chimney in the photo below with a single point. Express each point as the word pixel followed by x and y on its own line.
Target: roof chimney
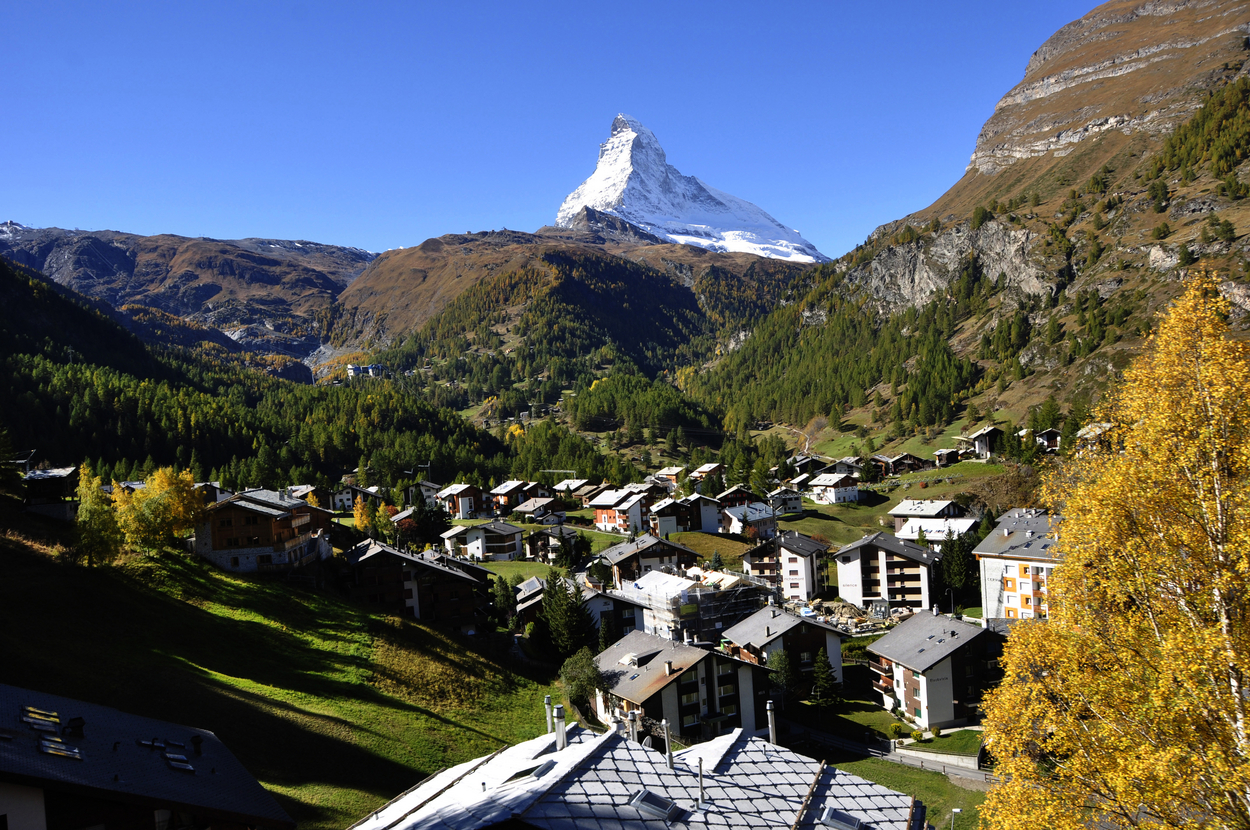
pixel 668 743
pixel 772 724
pixel 668 667
pixel 633 726
pixel 547 706
pixel 768 632
pixel 935 609
pixel 775 613
pixel 562 738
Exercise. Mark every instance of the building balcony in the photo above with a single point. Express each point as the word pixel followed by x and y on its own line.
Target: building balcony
pixel 291 544
pixel 880 685
pixel 301 520
pixel 881 668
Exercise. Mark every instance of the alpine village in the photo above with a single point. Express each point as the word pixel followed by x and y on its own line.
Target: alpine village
pixel 630 523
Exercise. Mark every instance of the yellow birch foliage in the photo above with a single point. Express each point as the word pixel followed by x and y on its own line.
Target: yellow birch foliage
pixel 166 505
pixel 360 515
pixel 1130 705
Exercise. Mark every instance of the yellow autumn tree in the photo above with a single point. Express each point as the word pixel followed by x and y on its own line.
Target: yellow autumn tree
pixel 153 515
pixel 1130 706
pixel 361 515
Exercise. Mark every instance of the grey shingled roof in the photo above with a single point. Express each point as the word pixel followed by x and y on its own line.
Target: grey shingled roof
pixel 748 783
pixel 639 682
pixel 924 640
pixel 116 766
pixel 624 550
pixel 766 625
pixel 796 542
pixel 894 544
pixel 1029 535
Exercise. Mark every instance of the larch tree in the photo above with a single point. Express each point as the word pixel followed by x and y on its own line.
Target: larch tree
pixel 164 507
pixel 1130 706
pixel 99 536
pixel 361 515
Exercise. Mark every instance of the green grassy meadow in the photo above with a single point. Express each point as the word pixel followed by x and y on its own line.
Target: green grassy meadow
pixel 333 708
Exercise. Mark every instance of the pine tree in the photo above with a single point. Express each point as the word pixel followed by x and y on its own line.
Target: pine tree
pixel 824 682
pixel 783 673
pixel 567 625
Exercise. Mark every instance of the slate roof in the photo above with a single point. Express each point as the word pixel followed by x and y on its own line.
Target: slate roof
pixel 748 783
pixel 502 528
pixel 670 471
pixel 796 542
pixel 638 680
pixel 115 766
pixel 44 475
pixel 935 530
pixel 833 480
pixel 425 559
pixel 893 544
pixel 1029 535
pixel 764 626
pixel 990 430
pixel 922 641
pixel 247 504
pixel 571 484
pixel 454 490
pixel 508 487
pixel 624 550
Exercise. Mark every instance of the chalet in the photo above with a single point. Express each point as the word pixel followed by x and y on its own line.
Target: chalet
pixel 801 482
pixel 508 495
pixel 51 492
pixel 212 492
pixel 809 464
pixel 700 693
pixel 936 531
pixel 671 474
pixel 619 511
pixel 785 502
pixel 985 441
pixel 544 545
pixel 591 492
pixel 770 630
pixel 1049 439
pixel 703 472
pixel 613 782
pixel 834 488
pixel 263 530
pixel 1016 562
pixel 883 463
pixel 542 510
pixel 464 501
pixel 934 670
pixel 946 457
pixel 531 593
pixel 908 463
pixel 345 496
pixel 423 489
pixel 908 509
pixel 851 465
pixel 756 520
pixel 569 486
pixel 66 763
pixel 791 562
pixel 426 586
pixel 736 496
pixel 884 572
pixel 630 560
pixel 490 542
pixel 695 512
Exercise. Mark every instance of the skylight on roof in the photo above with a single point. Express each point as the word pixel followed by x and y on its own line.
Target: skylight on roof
pixel 840 820
pixel 654 804
pixel 530 772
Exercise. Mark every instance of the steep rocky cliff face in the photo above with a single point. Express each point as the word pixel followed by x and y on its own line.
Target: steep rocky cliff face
pixel 1126 66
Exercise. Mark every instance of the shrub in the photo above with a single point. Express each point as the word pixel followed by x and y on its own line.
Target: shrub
pixel 895 730
pixel 1186 256
pixel 980 216
pixel 1161 231
pixel 937 731
pixel 917 735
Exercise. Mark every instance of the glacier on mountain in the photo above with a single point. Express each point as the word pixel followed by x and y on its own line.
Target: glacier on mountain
pixel 634 181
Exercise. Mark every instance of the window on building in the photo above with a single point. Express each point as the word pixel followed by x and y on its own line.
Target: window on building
pixel 846 560
pixel 407 593
pixel 265 559
pixel 226 523
pixel 689 721
pixel 794 573
pixel 917 711
pixel 794 585
pixel 729 709
pixel 689 698
pixel 725 668
pixel 805 657
pixel 690 675
pixel 232 542
pixel 794 560
pixel 727 690
pixel 627 613
pixel 234 561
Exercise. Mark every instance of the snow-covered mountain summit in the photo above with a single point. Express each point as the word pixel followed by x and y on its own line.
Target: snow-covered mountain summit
pixel 635 182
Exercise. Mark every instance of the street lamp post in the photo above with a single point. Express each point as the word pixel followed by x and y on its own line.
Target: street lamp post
pixel 954 810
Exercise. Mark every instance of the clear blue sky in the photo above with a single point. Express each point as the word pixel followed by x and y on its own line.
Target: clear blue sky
pixel 382 124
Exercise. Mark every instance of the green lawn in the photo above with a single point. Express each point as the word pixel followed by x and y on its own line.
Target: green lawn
pixel 858 711
pixel 975 613
pixel 333 708
pixel 707 545
pixel 524 569
pixel 934 789
pixel 962 742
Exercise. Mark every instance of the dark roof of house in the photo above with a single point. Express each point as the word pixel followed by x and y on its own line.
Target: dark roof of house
pixel 53 473
pixel 238 500
pixel 924 640
pixel 748 783
pixel 275 498
pixel 111 761
pixel 796 542
pixel 620 552
pixel 753 512
pixel 502 528
pixel 893 544
pixel 426 559
pixel 556 532
pixel 766 625
pixel 638 679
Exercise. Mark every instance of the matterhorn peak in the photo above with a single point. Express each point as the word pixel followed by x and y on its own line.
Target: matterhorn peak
pixel 634 181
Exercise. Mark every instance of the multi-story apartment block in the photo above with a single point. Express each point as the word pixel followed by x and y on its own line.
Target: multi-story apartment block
pixel 1016 563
